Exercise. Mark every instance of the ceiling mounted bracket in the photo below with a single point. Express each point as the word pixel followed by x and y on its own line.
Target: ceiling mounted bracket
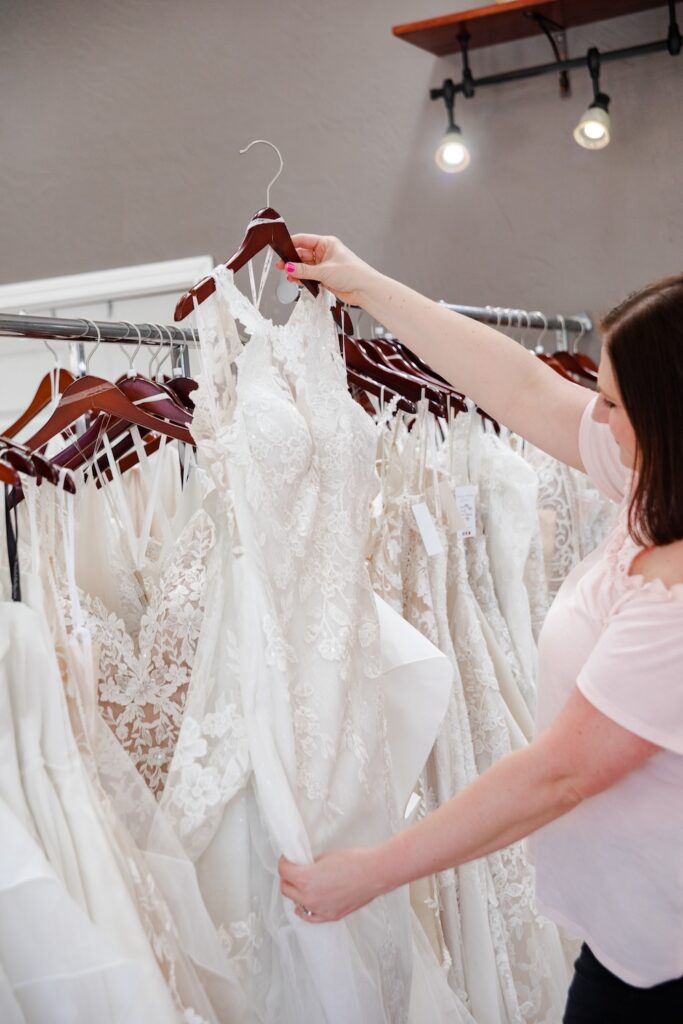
pixel 557 37
pixel 467 87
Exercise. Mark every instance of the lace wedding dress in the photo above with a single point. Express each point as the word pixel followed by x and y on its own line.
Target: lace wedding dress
pixel 506 960
pixel 576 517
pixel 127 858
pixel 73 947
pixel 312 706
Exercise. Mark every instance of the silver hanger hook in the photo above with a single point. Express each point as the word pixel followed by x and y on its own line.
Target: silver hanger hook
pixel 169 350
pixel 539 343
pixel 575 346
pixel 265 142
pixel 97 343
pixel 563 343
pixel 525 329
pixel 157 349
pixel 54 352
pixel 131 358
pixel 137 347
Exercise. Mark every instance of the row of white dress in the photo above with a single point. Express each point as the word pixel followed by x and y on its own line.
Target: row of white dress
pixel 477 585
pixel 201 679
pixel 234 691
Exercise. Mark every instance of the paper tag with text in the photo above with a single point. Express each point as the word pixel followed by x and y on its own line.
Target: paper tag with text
pixel 427 528
pixel 466 500
pixel 455 521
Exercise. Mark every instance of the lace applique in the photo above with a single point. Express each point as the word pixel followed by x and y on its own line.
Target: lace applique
pixel 242 941
pixel 211 763
pixel 577 516
pixel 142 686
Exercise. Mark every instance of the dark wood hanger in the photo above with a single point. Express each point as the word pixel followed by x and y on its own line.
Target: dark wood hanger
pixel 41 400
pixel 394 380
pixel 167 404
pixel 182 388
pixel 552 362
pixel 94 394
pixel 586 362
pixel 396 356
pixel 9 475
pixel 360 383
pixel 125 452
pixel 574 365
pixel 33 463
pixel 266 228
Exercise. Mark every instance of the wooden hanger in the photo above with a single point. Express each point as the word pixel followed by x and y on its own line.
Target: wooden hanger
pixel 9 475
pixel 266 228
pixel 570 362
pixel 94 394
pixel 394 380
pixel 361 383
pixel 49 385
pixel 153 397
pixel 395 357
pixel 33 463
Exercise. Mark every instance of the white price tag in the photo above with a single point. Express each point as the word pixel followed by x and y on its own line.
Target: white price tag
pixel 427 528
pixel 466 500
pixel 456 523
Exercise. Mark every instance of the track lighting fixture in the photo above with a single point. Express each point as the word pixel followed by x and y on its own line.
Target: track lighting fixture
pixel 593 129
pixel 452 155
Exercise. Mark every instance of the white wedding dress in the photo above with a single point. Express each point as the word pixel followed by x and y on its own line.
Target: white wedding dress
pixel 73 948
pixel 312 706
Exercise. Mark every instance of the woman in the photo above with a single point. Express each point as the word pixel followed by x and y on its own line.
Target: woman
pixel 602 784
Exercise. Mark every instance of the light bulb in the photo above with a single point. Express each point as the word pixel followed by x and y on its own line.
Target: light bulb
pixel 593 130
pixel 452 155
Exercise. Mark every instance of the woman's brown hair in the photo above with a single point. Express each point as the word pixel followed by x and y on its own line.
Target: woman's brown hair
pixel 644 341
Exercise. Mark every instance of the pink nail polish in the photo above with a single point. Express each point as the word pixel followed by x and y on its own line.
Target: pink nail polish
pixel 289 267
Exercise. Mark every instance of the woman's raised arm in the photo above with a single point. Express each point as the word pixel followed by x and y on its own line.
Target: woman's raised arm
pixel 502 377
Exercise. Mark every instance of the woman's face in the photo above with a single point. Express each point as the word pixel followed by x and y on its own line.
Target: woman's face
pixel 609 409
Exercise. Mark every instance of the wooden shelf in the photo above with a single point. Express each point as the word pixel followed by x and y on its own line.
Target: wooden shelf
pixel 504 22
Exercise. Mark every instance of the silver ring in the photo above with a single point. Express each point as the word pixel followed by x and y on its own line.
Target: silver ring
pixel 307 912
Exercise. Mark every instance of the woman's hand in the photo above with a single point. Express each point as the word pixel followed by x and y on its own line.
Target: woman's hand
pixel 335 885
pixel 325 259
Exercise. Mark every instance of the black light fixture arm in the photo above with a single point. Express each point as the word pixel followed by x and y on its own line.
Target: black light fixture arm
pixel 447 94
pixel 600 99
pixel 466 87
pixel 467 79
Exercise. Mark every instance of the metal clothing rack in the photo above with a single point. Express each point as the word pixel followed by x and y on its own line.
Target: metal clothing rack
pixel 500 316
pixel 121 332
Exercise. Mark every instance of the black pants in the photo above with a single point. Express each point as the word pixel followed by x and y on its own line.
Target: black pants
pixel 596 996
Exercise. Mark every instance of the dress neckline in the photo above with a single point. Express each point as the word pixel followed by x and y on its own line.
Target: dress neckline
pixel 623 555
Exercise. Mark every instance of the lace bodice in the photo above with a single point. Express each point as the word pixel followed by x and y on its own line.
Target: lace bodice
pixel 144 672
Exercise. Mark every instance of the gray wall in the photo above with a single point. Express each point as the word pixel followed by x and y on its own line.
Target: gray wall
pixel 120 124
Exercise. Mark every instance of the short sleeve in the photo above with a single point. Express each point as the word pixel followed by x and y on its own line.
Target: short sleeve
pixel 600 456
pixel 634 674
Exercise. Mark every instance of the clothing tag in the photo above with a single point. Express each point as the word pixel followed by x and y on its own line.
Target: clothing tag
pixel 427 528
pixel 466 500
pixel 456 523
